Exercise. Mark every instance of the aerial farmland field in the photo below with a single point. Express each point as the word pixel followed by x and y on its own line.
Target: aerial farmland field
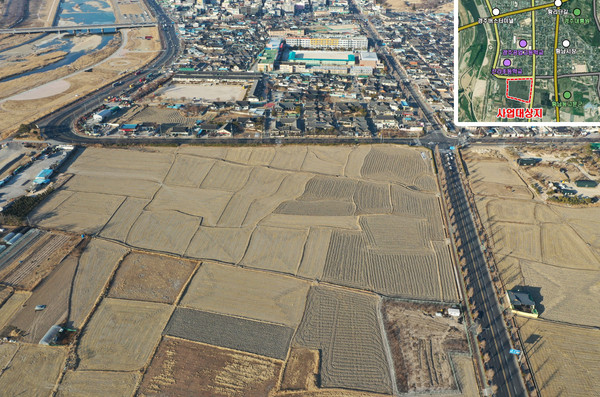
pixel 550 251
pixel 188 271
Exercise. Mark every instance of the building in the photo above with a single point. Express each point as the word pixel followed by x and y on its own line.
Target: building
pixel 128 128
pixel 43 177
pixel 528 161
pixel 274 43
pixel 313 58
pixel 521 303
pixel 105 114
pixel 266 60
pixel 52 335
pixel 586 183
pixel 329 42
pixel 368 59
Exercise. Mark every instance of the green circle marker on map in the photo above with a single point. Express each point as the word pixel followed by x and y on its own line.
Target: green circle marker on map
pixel 577 12
pixel 567 94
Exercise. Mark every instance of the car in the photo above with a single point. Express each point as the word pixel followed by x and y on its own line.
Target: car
pixel 39 308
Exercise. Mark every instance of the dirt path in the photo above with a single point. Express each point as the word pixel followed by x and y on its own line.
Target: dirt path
pixel 386 348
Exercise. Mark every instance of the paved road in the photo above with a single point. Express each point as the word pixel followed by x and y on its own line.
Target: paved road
pixel 507 373
pixel 78 28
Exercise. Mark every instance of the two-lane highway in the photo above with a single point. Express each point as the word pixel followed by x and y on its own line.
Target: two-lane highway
pixel 507 375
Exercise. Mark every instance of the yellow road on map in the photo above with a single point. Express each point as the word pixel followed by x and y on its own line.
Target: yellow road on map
pixel 506 14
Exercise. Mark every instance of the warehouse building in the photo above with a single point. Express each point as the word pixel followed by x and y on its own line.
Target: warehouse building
pixel 329 42
pixel 586 183
pixel 313 58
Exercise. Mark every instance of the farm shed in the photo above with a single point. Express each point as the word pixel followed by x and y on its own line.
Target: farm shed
pixel 528 161
pixel 586 183
pixel 51 336
pixel 521 302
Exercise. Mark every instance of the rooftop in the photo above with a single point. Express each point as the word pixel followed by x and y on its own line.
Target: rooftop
pixel 321 56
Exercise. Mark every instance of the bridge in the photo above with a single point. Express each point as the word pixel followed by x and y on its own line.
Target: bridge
pixel 78 28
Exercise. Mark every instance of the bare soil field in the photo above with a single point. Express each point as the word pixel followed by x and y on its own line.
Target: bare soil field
pixel 242 292
pixel 206 92
pixel 181 367
pixel 122 335
pixel 152 278
pixel 32 371
pixel 96 383
pixel 345 326
pixel 230 332
pixel 420 344
pixel 96 265
pixel 564 358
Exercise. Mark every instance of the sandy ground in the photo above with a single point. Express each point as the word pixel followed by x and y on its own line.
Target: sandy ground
pixel 46 90
pixel 206 92
pixel 86 43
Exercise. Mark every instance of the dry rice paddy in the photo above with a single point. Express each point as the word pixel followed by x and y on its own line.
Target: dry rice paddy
pixel 344 325
pixel 32 370
pixel 121 335
pixel 96 266
pixel 268 224
pixel 182 367
pixel 242 292
pixel 548 249
pixel 152 278
pixel 96 383
pixel 563 366
pixel 553 253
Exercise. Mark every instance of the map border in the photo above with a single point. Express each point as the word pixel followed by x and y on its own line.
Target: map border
pixel 500 123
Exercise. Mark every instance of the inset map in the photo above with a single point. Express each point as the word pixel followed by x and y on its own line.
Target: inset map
pixel 532 61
